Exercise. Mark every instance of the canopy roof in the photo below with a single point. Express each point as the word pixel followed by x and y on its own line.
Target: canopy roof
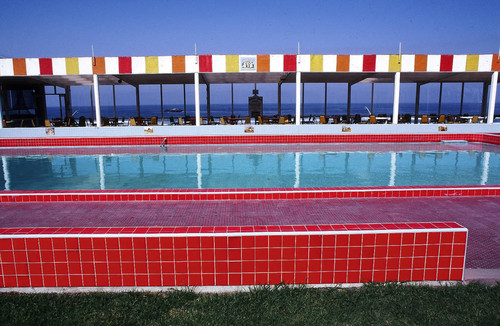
pixel 224 69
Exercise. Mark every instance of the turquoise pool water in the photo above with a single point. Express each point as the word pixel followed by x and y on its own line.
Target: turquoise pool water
pixel 229 168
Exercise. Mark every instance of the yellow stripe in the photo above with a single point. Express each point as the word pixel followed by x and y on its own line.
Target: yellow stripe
pixel 151 65
pixel 316 62
pixel 472 62
pixel 394 62
pixel 72 67
pixel 232 63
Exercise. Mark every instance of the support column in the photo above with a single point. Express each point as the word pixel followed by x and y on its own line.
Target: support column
pixel 185 110
pixel 197 97
pixel 349 86
pixel 67 102
pixel 440 97
pixel 137 101
pixel 462 99
pixel 96 100
pixel 417 102
pixel 395 105
pixel 371 103
pixel 114 101
pixel 297 97
pixel 493 97
pixel 484 99
pixel 91 106
pixel 303 98
pixel 279 99
pixel 326 96
pixel 208 100
pixel 161 102
pixel 232 99
pixel 1 107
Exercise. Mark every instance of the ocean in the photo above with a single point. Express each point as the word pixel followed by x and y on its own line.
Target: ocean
pixel 270 109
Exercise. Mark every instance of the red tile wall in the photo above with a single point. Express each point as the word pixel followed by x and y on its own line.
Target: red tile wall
pixel 313 254
pixel 244 139
pixel 245 194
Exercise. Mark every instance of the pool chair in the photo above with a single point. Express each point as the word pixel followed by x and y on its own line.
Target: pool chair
pixel 441 119
pixel 180 121
pixel 132 122
pixel 47 123
pixel 450 118
pixel 475 119
pixel 248 120
pixel 222 121
pixel 322 120
pixel 154 121
pixel 372 120
pixel 424 119
pixel 262 121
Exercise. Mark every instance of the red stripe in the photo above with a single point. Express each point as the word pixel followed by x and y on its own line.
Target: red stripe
pixel 369 62
pixel 125 65
pixel 446 63
pixel 290 62
pixel 205 63
pixel 45 66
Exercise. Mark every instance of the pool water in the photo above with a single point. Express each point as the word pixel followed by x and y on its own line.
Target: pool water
pixel 228 168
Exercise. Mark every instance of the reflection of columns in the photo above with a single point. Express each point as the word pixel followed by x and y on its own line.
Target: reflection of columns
pixel 392 179
pixel 493 97
pixel 486 165
pixel 101 173
pixel 197 97
pixel 198 169
pixel 96 100
pixel 1 106
pixel 297 170
pixel 6 175
pixel 297 98
pixel 395 105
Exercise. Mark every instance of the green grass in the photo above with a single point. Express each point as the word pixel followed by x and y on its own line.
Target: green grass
pixel 389 304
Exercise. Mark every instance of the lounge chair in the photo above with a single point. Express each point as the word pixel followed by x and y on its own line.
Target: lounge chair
pixel 322 120
pixel 132 122
pixel 424 119
pixel 450 118
pixel 47 123
pixel 248 120
pixel 222 121
pixel 475 119
pixel 154 121
pixel 441 119
pixel 372 120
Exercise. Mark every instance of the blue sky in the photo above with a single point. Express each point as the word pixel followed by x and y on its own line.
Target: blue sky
pixel 125 28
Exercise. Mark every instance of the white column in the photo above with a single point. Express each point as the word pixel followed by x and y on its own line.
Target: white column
pixel 297 98
pixel 493 97
pixel 197 97
pixel 96 100
pixel 395 106
pixel 1 108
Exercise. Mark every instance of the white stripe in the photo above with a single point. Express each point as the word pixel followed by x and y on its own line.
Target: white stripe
pixel 228 234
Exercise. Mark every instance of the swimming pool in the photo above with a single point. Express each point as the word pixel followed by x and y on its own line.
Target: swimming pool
pixel 229 167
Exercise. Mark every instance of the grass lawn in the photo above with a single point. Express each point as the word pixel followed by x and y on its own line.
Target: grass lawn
pixel 391 304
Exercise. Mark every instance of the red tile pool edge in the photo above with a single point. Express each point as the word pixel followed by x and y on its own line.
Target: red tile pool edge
pixel 312 254
pixel 243 139
pixel 246 194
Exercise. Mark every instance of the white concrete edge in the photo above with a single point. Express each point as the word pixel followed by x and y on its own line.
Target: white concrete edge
pixel 203 289
pixel 227 234
pixel 243 192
